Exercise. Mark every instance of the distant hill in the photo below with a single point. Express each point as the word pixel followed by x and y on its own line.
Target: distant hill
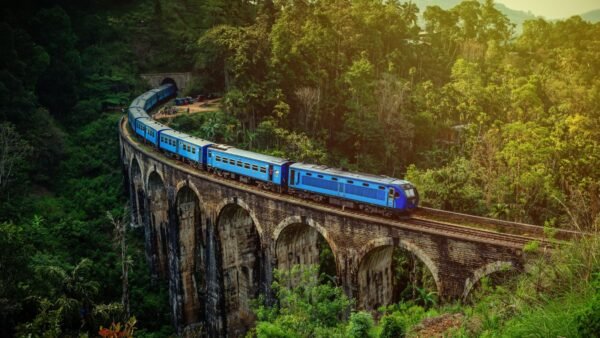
pixel 592 16
pixel 515 16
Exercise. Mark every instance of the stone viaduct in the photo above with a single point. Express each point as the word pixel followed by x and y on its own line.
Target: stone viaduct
pixel 216 243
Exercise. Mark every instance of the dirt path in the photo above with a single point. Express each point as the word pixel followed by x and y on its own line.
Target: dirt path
pixel 196 107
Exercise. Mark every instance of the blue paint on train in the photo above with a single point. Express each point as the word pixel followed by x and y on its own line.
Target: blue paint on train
pixel 364 188
pixel 257 166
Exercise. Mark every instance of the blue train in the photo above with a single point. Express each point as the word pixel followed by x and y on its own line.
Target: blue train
pixel 370 193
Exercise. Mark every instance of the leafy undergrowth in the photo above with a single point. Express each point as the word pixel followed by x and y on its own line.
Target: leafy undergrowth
pixel 556 296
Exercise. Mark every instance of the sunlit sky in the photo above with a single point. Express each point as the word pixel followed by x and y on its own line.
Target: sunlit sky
pixel 553 9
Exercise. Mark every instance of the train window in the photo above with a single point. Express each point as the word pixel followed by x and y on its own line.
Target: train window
pixel 308 174
pixel 246 166
pixel 350 182
pixel 193 150
pixel 254 167
pixel 334 178
pixel 218 158
pixel 381 187
pixel 263 170
pixel 365 184
pixel 239 163
pixel 232 162
pixel 320 176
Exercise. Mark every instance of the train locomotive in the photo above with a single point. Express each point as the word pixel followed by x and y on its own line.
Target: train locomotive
pixel 370 193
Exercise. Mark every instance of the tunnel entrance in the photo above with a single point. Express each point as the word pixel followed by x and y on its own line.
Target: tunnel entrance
pixel 169 80
pixel 302 245
pixel 240 267
pixel 190 259
pixel 159 218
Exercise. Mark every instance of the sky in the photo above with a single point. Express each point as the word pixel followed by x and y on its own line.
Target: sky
pixel 553 9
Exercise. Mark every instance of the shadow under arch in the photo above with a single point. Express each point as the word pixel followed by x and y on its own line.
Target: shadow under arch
pixel 185 254
pixel 238 237
pixel 242 204
pixel 300 240
pixel 377 271
pixel 156 234
pixel 136 188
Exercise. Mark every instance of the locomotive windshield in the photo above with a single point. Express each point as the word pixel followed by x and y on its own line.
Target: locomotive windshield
pixel 409 191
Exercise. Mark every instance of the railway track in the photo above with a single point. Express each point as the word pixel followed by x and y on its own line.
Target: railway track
pixel 418 222
pixel 491 224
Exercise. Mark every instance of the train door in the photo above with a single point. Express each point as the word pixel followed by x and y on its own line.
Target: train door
pixel 293 177
pixel 270 172
pixel 390 197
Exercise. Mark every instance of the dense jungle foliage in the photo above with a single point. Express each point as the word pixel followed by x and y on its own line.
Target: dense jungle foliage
pixel 481 119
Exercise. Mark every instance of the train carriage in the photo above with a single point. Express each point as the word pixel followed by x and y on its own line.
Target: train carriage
pixel 364 189
pixel 169 140
pixel 194 149
pixel 165 91
pixel 263 168
pixel 133 114
pixel 153 130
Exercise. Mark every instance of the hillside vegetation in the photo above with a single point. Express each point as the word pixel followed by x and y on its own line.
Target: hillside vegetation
pixel 481 119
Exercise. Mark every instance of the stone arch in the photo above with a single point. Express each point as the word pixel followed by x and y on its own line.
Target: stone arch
pixel 308 221
pixel 375 274
pixel 140 164
pixel 423 257
pixel 483 271
pixel 137 191
pixel 156 234
pixel 154 171
pixel 241 262
pixel 185 253
pixel 170 80
pixel 296 241
pixel 241 203
pixel 189 184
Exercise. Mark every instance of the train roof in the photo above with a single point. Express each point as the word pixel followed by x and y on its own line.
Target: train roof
pixel 161 87
pixel 156 125
pixel 138 102
pixel 249 154
pixel 187 138
pixel 347 174
pixel 137 112
pixel 176 134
